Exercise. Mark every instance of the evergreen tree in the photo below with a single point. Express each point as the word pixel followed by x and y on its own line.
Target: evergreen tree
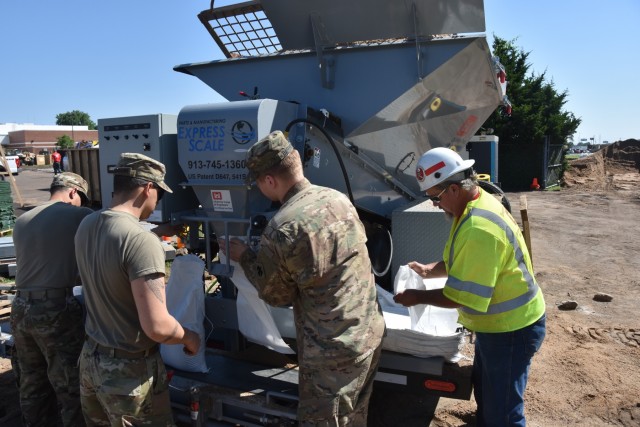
pixel 537 107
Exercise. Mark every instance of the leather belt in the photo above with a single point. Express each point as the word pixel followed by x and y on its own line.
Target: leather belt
pixel 117 353
pixel 44 293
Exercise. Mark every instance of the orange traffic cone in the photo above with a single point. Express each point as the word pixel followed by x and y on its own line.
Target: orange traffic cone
pixel 534 184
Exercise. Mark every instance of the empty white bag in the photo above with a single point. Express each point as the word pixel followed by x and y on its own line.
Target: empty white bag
pixel 185 302
pixel 255 320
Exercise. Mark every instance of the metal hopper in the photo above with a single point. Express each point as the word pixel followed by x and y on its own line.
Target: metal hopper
pixel 364 88
pixel 400 76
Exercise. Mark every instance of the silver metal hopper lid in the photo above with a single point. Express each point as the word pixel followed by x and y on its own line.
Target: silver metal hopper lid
pixel 267 26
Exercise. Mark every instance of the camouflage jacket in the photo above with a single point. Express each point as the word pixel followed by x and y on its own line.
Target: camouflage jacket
pixel 313 255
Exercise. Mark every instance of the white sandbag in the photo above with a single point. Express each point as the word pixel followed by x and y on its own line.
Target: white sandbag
pixel 255 320
pixel 185 302
pixel 406 278
pixel 426 318
pixel 424 345
pixel 421 331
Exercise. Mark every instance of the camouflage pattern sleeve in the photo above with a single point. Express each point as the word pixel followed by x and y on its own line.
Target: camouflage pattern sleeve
pixel 313 255
pixel 265 271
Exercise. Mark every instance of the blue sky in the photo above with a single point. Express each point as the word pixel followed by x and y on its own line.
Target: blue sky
pixel 115 58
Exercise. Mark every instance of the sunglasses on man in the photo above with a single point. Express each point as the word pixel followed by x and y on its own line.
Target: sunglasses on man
pixel 436 199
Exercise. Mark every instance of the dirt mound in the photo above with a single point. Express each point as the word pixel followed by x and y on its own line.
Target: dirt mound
pixel 623 154
pixel 614 166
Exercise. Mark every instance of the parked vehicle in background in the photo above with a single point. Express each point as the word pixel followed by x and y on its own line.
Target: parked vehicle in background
pixel 27 158
pixel 14 163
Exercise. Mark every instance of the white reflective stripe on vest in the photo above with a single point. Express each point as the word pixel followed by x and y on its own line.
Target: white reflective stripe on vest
pixel 485 291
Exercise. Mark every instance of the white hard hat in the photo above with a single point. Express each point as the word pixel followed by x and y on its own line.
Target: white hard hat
pixel 439 164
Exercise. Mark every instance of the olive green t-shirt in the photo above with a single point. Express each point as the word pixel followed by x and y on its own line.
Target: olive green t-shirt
pixel 113 250
pixel 43 241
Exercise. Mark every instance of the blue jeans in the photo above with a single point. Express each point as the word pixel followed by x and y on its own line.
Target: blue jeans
pixel 500 373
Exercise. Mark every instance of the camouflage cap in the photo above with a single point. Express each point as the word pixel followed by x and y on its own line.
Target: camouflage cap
pixel 142 167
pixel 267 153
pixel 71 180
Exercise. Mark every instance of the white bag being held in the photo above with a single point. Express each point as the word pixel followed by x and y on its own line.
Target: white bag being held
pixel 185 302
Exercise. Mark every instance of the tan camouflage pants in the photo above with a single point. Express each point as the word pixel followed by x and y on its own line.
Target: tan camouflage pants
pixel 337 396
pixel 48 335
pixel 124 392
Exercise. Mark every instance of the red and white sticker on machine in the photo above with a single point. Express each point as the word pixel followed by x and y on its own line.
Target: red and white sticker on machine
pixel 221 200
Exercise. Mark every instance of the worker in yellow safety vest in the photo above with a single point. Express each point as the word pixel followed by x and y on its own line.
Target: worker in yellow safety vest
pixel 490 280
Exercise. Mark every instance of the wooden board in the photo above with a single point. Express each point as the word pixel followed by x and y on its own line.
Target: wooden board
pixel 526 231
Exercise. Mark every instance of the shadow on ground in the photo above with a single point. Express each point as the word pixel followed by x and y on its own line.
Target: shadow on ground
pixel 9 402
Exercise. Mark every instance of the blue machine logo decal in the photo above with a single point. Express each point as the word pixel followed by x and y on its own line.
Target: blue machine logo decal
pixel 242 132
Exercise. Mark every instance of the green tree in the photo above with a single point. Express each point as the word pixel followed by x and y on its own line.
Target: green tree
pixel 64 142
pixel 537 107
pixel 75 118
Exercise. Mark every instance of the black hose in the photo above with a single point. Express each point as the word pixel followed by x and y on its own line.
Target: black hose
pixel 492 188
pixel 346 181
pixel 333 145
pixel 372 249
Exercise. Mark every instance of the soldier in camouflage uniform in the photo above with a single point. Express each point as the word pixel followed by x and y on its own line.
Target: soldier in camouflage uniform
pixel 123 380
pixel 46 319
pixel 313 255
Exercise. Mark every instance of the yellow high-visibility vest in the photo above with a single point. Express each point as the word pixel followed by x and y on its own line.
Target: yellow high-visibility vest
pixel 489 270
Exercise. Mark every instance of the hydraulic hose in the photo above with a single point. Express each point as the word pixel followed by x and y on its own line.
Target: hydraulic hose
pixel 335 149
pixel 385 270
pixel 491 188
pixel 346 179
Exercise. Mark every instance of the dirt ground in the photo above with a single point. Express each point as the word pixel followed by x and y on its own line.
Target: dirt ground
pixel 586 241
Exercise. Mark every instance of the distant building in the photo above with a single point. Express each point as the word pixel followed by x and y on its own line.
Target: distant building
pixel 35 138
